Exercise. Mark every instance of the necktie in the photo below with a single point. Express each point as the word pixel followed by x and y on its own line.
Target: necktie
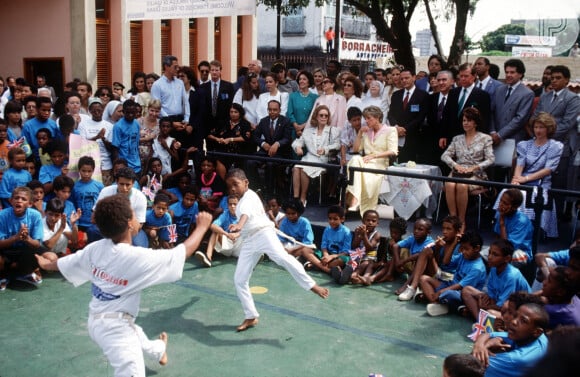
pixel 440 108
pixel 406 101
pixel 214 100
pixel 480 85
pixel 461 102
pixel 272 128
pixel 509 93
pixel 555 97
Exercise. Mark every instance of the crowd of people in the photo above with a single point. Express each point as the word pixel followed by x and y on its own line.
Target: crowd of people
pixel 265 130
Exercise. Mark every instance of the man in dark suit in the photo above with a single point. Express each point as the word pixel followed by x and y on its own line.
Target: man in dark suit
pixel 484 80
pixel 465 95
pixel 407 112
pixel 273 136
pixel 546 80
pixel 564 106
pixel 433 142
pixel 510 114
pixel 215 99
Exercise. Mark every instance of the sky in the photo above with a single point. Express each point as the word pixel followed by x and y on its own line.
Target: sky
pixel 491 14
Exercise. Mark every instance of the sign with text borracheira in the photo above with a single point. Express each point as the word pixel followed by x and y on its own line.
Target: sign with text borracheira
pixel 172 9
pixel 359 49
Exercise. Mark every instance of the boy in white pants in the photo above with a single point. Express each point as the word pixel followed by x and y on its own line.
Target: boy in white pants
pixel 259 236
pixel 119 272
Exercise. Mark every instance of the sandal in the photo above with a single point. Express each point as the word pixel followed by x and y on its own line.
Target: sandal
pixel 30 279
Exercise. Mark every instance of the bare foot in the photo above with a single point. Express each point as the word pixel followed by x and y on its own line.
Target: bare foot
pixel 355 279
pixel 322 292
pixel 163 336
pixel 247 324
pixel 366 280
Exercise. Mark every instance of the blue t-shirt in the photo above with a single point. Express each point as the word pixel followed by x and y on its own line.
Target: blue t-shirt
pixel 10 225
pixel 470 272
pixel 500 287
pixel 126 140
pixel 11 179
pixel 519 231
pixel 516 361
pixel 414 246
pixel 561 258
pixel 84 196
pixel 225 219
pixel 152 220
pixel 301 230
pixel 336 240
pixel 183 217
pixel 32 126
pixel 453 264
pixel 48 173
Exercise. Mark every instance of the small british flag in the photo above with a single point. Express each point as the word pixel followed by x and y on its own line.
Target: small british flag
pixel 355 256
pixel 17 143
pixel 484 324
pixel 172 229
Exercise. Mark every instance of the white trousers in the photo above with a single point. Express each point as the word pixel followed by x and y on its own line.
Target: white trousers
pixel 124 343
pixel 264 241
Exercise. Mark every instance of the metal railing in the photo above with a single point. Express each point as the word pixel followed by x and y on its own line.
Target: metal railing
pixel 538 205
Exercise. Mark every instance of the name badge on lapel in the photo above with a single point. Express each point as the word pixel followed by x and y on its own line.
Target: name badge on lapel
pixel 414 108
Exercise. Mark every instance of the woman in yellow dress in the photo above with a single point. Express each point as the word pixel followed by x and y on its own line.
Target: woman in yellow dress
pixel 375 143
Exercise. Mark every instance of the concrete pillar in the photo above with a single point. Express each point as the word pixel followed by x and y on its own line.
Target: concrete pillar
pixel 180 40
pixel 229 47
pixel 249 39
pixel 152 46
pixel 120 44
pixel 205 38
pixel 83 40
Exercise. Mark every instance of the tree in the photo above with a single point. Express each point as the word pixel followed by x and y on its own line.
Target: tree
pixel 391 19
pixel 495 40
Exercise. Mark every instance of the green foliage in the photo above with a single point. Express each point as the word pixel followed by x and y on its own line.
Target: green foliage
pixel 494 40
pixel 496 53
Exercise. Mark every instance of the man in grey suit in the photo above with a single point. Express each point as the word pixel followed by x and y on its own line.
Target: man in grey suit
pixel 484 80
pixel 511 105
pixel 564 106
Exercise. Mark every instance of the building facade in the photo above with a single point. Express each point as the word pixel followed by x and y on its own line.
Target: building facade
pixel 92 41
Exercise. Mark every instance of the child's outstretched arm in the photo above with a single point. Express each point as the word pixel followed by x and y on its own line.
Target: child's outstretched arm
pixel 238 227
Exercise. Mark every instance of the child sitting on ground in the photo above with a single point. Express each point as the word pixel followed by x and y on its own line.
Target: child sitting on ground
pixel 443 294
pixel 515 226
pixel 397 228
pixel 57 232
pixel 503 280
pixel 366 239
pixel 221 239
pixel 20 238
pixel 57 151
pixel 406 253
pixel 336 243
pixel 15 176
pixel 152 182
pixel 513 353
pixel 156 222
pixel 273 210
pixel 559 294
pixel 38 202
pixel 165 147
pixel 552 259
pixel 183 213
pixel 112 321
pixel 439 260
pixel 211 186
pixel 462 365
pixel 298 227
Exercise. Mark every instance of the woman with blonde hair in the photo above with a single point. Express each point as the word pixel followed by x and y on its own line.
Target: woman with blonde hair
pixel 148 131
pixel 315 144
pixel 376 143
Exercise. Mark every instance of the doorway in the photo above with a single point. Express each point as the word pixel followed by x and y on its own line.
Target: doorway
pixel 51 68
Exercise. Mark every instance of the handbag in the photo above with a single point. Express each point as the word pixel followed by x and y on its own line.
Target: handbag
pixel 332 153
pixel 456 174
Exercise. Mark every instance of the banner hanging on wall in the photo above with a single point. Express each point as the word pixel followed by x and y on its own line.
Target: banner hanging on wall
pixel 170 9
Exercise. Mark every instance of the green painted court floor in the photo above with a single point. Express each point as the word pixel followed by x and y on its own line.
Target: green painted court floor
pixel 356 331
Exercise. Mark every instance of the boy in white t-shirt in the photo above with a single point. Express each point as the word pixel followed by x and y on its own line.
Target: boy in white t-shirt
pixel 119 272
pixel 259 237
